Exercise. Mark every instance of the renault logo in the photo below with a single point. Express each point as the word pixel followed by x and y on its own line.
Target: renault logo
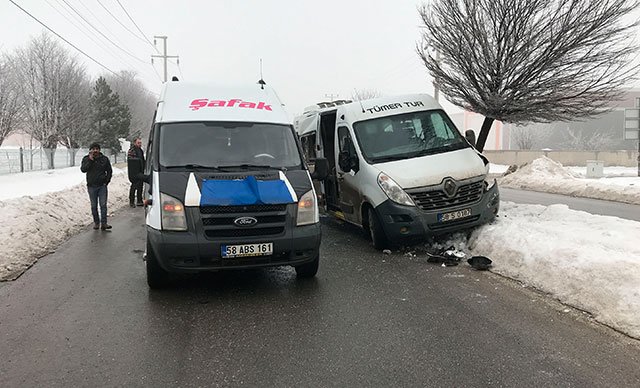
pixel 245 221
pixel 450 187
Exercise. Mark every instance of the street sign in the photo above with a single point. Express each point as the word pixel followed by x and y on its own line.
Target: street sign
pixel 631 123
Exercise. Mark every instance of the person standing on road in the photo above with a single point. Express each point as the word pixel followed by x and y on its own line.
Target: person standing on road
pixel 99 172
pixel 135 167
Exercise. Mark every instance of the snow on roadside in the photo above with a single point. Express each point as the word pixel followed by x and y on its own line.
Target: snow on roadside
pixel 39 182
pixel 546 175
pixel 32 226
pixel 588 261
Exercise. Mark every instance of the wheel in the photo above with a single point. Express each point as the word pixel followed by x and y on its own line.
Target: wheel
pixel 379 238
pixel 157 277
pixel 308 270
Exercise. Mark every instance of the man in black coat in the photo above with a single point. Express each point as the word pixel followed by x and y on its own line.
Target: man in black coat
pixel 135 167
pixel 99 172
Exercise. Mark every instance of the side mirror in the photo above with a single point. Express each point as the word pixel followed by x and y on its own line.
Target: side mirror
pixel 321 169
pixel 471 137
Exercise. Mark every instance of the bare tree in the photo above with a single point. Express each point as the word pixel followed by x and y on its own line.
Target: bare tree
pixel 140 101
pixel 43 71
pixel 522 61
pixel 10 108
pixel 523 138
pixel 75 111
pixel 585 140
pixel 365 94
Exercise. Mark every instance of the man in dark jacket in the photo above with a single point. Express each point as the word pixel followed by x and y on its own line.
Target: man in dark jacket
pixel 98 170
pixel 135 167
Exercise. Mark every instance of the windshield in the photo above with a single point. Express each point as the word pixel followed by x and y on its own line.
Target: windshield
pixel 407 135
pixel 228 144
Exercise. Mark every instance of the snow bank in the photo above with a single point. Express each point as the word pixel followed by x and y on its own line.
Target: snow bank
pixel 544 174
pixel 32 226
pixel 587 261
pixel 39 182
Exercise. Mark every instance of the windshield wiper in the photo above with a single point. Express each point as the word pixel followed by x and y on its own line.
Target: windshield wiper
pixel 193 166
pixel 247 166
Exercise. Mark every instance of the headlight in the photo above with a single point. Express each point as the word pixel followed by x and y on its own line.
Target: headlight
pixel 308 209
pixel 394 191
pixel 489 182
pixel 172 210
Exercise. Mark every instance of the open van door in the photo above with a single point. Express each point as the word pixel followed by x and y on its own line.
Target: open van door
pixel 347 166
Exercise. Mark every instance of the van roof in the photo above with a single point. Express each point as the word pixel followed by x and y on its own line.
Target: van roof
pixel 364 110
pixel 386 106
pixel 191 101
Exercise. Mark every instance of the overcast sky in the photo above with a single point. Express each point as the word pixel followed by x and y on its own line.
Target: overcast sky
pixel 309 49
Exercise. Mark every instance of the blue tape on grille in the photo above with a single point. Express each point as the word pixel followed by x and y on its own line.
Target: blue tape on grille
pixel 248 191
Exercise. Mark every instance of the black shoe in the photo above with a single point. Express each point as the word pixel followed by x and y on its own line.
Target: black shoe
pixel 132 205
pixel 105 226
pixel 140 204
pixel 96 226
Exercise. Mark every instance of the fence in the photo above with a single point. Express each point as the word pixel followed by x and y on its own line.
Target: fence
pixel 16 160
pixel 567 158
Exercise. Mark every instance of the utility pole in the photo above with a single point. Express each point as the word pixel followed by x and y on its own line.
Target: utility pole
pixel 436 88
pixel 165 57
pixel 632 126
pixel 331 96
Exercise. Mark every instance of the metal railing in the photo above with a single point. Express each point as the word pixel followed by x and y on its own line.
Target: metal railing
pixel 17 160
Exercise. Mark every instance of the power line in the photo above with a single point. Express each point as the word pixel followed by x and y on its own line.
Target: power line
pixel 122 24
pixel 83 29
pixel 66 41
pixel 103 35
pixel 135 24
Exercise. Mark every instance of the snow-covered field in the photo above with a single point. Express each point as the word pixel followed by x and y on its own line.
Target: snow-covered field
pixel 543 174
pixel 40 210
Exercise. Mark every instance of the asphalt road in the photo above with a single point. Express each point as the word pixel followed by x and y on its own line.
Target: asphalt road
pixel 83 316
pixel 593 206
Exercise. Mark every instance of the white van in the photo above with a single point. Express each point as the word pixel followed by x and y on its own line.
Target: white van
pixel 227 186
pixel 398 167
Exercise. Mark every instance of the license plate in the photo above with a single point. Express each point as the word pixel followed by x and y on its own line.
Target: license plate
pixel 246 250
pixel 446 217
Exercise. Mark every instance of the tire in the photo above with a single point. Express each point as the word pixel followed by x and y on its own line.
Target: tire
pixel 378 237
pixel 157 277
pixel 308 270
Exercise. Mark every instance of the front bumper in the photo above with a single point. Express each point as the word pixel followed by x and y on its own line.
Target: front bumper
pixel 402 223
pixel 189 252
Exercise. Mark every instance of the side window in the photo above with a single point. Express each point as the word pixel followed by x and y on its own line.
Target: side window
pixel 149 160
pixel 343 133
pixel 308 142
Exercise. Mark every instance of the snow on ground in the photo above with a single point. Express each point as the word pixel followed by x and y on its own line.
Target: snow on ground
pixel 543 174
pixel 39 182
pixel 44 210
pixel 588 261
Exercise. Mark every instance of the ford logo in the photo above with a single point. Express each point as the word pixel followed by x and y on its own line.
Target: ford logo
pixel 245 221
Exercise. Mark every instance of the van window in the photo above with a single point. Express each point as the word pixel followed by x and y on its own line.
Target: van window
pixel 407 135
pixel 308 143
pixel 214 144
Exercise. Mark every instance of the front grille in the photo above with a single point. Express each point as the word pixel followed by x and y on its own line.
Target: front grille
pixel 229 220
pixel 435 199
pixel 242 209
pixel 218 221
pixel 243 232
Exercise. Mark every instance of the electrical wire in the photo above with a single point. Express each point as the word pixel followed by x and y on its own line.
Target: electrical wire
pixel 135 24
pixel 102 34
pixel 66 41
pixel 122 24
